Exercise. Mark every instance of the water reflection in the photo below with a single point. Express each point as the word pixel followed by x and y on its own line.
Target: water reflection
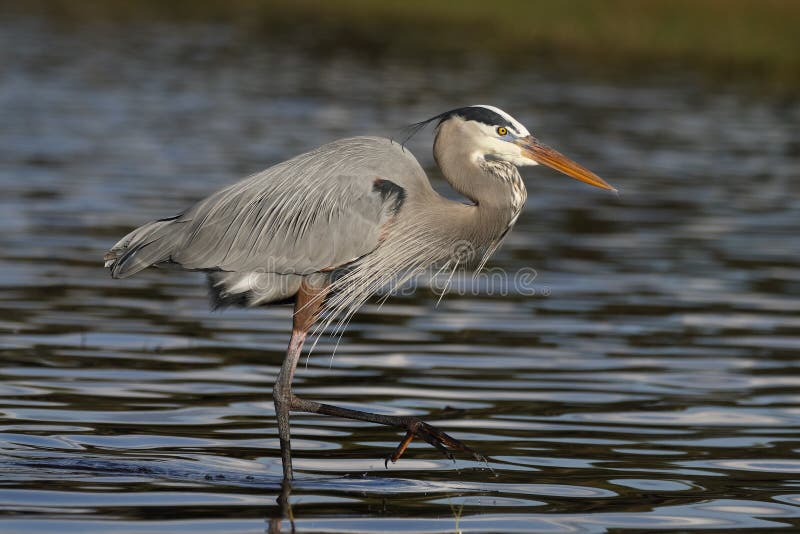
pixel 651 387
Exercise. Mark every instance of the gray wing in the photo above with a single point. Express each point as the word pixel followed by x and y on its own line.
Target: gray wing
pixel 315 212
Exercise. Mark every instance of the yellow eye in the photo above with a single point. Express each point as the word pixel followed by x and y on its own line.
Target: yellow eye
pixel 501 130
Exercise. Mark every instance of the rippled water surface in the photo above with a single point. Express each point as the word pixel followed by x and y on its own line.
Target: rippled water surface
pixel 646 378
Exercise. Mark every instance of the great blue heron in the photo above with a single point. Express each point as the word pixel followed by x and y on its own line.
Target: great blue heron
pixel 327 229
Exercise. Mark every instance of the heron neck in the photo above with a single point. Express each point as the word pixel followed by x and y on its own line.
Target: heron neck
pixel 494 187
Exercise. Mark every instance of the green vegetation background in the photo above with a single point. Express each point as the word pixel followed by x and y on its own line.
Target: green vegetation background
pixel 756 40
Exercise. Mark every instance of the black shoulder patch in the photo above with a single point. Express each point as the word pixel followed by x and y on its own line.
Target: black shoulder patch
pixel 390 190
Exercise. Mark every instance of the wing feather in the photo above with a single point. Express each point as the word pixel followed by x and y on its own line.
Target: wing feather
pixel 311 213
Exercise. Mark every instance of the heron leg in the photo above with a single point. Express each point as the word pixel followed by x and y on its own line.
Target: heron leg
pixel 307 305
pixel 284 510
pixel 413 426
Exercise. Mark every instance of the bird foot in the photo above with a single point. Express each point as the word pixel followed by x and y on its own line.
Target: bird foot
pixel 414 427
pixel 444 443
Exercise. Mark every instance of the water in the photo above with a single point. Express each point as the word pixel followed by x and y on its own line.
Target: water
pixel 646 378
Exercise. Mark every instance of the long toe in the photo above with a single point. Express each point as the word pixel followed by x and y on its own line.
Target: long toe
pixel 401 448
pixel 435 437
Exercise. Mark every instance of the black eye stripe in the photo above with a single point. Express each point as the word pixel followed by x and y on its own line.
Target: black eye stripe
pixel 470 113
pixel 477 114
pixel 482 115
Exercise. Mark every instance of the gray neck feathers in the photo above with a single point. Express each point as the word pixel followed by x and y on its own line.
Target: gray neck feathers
pixel 495 187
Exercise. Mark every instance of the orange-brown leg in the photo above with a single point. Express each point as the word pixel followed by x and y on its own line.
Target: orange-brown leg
pixel 307 306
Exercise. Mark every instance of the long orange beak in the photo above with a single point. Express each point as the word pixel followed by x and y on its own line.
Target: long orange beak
pixel 554 159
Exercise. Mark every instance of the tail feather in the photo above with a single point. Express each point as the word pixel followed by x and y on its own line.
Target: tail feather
pixel 248 289
pixel 148 245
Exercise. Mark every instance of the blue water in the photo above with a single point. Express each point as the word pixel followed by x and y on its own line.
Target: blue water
pixel 643 377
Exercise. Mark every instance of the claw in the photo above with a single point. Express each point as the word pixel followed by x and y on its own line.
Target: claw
pixel 401 448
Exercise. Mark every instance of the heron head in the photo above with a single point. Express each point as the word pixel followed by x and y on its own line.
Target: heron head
pixel 491 133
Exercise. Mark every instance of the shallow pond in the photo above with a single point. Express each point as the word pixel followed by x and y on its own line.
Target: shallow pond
pixel 644 376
